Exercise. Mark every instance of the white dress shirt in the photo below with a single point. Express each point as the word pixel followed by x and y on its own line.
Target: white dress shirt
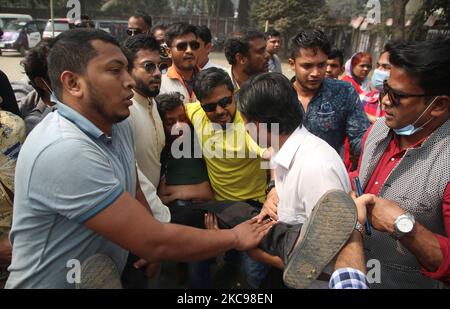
pixel 306 168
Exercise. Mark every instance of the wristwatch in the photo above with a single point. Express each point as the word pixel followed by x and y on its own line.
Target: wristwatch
pixel 360 228
pixel 403 226
pixel 270 186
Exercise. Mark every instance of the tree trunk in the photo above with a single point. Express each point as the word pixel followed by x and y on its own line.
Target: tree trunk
pixel 244 13
pixel 399 12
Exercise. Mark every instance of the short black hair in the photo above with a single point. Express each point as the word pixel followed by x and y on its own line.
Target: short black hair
pixel 390 45
pixel 147 18
pixel 35 64
pixel 139 42
pixel 337 53
pixel 204 33
pixel 271 98
pixel 314 39
pixel 179 29
pixel 208 80
pixel 71 51
pixel 168 102
pixel 240 43
pixel 272 33
pixel 428 62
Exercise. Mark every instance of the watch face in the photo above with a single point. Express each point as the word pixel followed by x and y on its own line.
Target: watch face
pixel 405 225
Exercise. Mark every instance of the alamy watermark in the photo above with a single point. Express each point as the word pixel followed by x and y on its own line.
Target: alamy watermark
pixel 374 13
pixel 74 273
pixel 74 12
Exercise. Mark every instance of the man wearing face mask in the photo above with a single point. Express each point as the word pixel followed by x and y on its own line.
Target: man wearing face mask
pixel 405 161
pixel 371 100
pixel 37 104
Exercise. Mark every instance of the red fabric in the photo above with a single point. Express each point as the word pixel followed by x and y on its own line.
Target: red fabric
pixel 347 78
pixel 387 163
pixel 372 104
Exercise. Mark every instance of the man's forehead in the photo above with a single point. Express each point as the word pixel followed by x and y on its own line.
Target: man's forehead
pixel 258 43
pixel 108 52
pixel 185 37
pixel 144 55
pixel 401 80
pixel 311 53
pixel 136 21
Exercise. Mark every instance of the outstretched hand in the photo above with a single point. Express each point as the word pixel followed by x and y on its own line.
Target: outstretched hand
pixel 250 233
pixel 270 208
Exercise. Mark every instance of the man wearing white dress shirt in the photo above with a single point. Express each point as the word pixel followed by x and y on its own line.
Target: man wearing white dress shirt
pixel 306 167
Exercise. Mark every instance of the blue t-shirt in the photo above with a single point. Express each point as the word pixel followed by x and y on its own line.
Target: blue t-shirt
pixel 68 171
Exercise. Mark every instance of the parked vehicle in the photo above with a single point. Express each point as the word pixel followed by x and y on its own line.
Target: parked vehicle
pixel 20 36
pixel 6 18
pixel 61 25
pixel 117 28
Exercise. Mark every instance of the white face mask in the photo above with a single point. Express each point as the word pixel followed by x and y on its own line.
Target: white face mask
pixel 410 130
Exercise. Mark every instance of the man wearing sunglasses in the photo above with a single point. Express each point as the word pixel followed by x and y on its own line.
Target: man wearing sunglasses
pixel 181 39
pixel 232 158
pixel 405 161
pixel 139 23
pixel 148 133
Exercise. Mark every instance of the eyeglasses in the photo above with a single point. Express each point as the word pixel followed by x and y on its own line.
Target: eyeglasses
pixel 183 46
pixel 134 31
pixel 211 107
pixel 150 67
pixel 395 96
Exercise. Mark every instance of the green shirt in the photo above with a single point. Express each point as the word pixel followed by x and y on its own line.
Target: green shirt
pixel 186 170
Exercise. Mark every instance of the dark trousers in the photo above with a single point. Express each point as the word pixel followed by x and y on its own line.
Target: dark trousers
pixel 279 242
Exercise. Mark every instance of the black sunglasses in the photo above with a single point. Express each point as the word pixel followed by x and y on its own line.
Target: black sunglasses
pixel 396 96
pixel 150 67
pixel 183 46
pixel 134 31
pixel 211 107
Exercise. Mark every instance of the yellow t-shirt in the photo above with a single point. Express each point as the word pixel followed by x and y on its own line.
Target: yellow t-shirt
pixel 235 167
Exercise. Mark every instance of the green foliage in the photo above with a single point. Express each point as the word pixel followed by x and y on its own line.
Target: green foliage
pixel 289 16
pixel 152 7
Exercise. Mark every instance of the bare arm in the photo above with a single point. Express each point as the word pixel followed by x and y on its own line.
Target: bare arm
pixel 5 249
pixel 202 192
pixel 264 257
pixel 425 246
pixel 352 256
pixel 129 225
pixel 421 242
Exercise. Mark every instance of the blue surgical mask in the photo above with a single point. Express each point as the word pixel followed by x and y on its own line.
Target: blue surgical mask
pixel 379 77
pixel 410 130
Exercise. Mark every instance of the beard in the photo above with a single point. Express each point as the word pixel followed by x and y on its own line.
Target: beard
pixel 97 103
pixel 252 70
pixel 144 89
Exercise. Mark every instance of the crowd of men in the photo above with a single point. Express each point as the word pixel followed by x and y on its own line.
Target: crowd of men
pixel 126 155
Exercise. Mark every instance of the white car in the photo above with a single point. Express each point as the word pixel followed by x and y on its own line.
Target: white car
pixel 20 36
pixel 60 25
pixel 6 18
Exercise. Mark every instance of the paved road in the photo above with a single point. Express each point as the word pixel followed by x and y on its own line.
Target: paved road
pixel 10 64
